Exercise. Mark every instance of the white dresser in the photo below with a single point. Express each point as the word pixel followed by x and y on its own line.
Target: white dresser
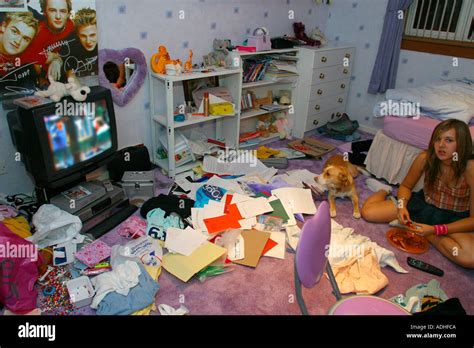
pixel 323 85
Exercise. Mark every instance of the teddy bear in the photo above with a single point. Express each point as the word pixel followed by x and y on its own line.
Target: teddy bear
pixel 220 53
pixel 282 124
pixel 265 125
pixel 57 90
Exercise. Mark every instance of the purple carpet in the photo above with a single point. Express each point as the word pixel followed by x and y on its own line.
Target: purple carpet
pixel 269 289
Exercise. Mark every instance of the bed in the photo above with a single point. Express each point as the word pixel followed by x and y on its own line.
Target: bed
pixel 396 146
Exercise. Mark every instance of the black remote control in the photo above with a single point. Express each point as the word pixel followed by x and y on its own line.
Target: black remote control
pixel 425 267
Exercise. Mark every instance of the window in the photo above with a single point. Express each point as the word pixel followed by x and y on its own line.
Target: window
pixel 440 26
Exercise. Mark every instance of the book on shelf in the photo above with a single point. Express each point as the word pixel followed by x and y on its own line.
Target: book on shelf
pixel 271 107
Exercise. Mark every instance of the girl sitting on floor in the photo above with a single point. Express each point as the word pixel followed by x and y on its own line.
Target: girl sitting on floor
pixel 444 210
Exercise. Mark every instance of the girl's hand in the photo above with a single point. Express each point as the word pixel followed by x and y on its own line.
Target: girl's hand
pixel 404 216
pixel 421 229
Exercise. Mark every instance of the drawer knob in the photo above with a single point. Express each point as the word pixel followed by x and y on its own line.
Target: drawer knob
pixel 321 76
pixel 332 116
pixel 320 91
pixel 340 100
pixel 346 71
pixel 324 59
pixel 348 55
pixel 317 107
pixel 338 114
pixel 343 85
pixel 315 122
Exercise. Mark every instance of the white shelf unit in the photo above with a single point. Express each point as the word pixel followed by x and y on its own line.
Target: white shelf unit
pixel 248 118
pixel 166 92
pixel 323 86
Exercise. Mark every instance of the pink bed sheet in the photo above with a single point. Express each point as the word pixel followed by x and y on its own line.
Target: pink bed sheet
pixel 413 132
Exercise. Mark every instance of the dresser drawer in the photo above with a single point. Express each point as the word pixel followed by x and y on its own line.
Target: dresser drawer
pixel 334 57
pixel 323 104
pixel 330 74
pixel 324 90
pixel 321 118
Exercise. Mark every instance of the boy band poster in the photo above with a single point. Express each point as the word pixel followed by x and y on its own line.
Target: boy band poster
pixel 44 40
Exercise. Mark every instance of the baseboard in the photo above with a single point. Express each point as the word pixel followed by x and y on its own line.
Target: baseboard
pixel 369 129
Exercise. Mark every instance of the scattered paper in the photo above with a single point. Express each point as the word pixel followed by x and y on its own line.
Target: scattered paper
pixel 288 210
pixel 293 235
pixel 184 267
pixel 277 251
pixel 248 224
pixel 254 207
pixel 254 241
pixel 246 163
pixel 183 242
pixel 237 251
pixel 300 200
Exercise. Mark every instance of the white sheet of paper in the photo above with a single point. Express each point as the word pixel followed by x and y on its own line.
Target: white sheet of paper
pixel 248 224
pixel 213 209
pixel 254 207
pixel 238 198
pixel 237 251
pixel 300 200
pixel 197 216
pixel 230 185
pixel 278 251
pixel 289 211
pixel 183 242
pixel 293 236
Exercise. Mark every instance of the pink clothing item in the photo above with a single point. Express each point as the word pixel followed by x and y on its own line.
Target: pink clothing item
pixel 94 253
pixel 7 211
pixel 134 227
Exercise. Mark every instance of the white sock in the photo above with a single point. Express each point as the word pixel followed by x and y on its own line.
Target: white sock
pixel 376 186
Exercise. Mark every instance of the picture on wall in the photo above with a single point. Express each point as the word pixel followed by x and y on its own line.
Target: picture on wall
pixel 51 40
pixel 12 5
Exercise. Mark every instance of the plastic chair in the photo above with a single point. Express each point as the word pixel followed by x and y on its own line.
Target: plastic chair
pixel 311 261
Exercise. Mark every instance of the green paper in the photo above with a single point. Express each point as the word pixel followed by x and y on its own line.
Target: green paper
pixel 279 210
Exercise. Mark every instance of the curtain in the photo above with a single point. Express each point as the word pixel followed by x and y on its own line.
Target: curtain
pixel 385 69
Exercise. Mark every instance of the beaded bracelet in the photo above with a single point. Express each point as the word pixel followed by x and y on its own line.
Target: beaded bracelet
pixel 441 230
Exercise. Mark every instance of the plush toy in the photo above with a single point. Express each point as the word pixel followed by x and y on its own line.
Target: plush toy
pixel 265 126
pixel 318 35
pixel 219 55
pixel 57 90
pixel 282 124
pixel 300 34
pixel 159 60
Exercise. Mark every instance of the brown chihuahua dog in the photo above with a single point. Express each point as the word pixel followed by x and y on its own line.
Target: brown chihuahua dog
pixel 338 178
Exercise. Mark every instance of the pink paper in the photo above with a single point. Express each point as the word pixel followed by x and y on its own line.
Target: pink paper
pixel 93 253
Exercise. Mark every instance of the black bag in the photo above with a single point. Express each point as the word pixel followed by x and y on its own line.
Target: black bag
pixel 134 159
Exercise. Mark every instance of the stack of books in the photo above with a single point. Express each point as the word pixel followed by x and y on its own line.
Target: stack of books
pixel 254 69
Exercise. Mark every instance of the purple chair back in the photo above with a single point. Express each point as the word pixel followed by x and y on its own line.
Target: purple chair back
pixel 311 258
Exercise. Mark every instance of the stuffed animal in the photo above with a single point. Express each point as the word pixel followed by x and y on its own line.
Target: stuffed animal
pixel 188 66
pixel 57 90
pixel 265 126
pixel 318 35
pixel 282 124
pixel 219 55
pixel 300 34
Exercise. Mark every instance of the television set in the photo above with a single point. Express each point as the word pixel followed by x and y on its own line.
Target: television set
pixel 60 143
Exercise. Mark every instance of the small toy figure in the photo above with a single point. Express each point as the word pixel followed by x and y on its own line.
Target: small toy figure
pixel 219 55
pixel 188 66
pixel 282 125
pixel 159 60
pixel 57 90
pixel 265 126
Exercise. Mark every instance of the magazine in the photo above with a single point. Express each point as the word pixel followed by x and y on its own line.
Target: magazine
pixel 76 193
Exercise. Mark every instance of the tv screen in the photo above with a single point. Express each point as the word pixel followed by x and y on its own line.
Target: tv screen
pixel 62 142
pixel 75 139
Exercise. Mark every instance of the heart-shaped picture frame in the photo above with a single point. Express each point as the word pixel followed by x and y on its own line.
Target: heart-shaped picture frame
pixel 122 96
